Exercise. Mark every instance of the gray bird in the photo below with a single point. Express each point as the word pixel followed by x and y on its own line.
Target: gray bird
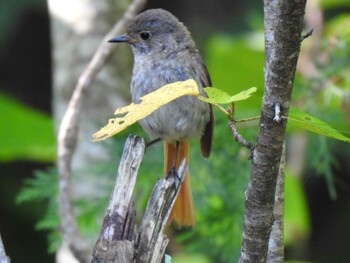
pixel 164 52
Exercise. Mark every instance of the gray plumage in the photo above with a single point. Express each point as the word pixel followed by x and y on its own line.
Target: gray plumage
pixel 164 52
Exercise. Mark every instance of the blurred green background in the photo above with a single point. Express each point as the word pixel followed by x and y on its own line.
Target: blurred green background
pixel 229 34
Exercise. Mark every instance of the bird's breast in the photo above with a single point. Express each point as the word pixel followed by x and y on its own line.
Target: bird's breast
pixel 182 118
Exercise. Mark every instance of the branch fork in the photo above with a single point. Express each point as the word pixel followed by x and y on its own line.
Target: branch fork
pixel 119 241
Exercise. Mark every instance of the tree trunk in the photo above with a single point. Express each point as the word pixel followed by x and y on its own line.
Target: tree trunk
pixel 77 28
pixel 284 37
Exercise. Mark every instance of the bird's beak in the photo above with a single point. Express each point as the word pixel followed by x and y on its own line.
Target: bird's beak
pixel 120 39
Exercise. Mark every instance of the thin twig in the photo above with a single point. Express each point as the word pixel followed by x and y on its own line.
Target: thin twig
pixel 239 138
pixel 68 131
pixel 248 119
pixel 307 34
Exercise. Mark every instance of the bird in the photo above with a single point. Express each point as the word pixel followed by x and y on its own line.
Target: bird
pixel 164 52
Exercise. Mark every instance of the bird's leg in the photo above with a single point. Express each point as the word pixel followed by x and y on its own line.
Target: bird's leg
pixel 153 142
pixel 177 145
pixel 173 170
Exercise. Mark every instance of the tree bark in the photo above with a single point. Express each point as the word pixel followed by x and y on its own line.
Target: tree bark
pixel 3 257
pixel 119 242
pixel 77 29
pixel 276 241
pixel 279 74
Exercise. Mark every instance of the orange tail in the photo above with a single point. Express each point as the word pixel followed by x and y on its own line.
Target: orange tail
pixel 183 212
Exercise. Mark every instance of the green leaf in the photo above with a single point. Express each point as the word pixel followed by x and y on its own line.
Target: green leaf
pixel 25 134
pixel 229 60
pixel 327 4
pixel 311 123
pixel 42 190
pixel 216 96
pixel 43 186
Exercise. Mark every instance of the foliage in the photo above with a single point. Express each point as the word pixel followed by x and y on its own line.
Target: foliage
pixel 310 123
pixel 330 93
pixel 218 187
pixel 296 214
pixel 134 112
pixel 326 4
pixel 43 188
pixel 25 134
pixel 230 64
pixel 149 103
pixel 218 184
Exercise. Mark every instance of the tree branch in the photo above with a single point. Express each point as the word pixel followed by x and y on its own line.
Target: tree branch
pixel 3 257
pixel 68 130
pixel 280 68
pixel 118 228
pixel 238 137
pixel 276 242
pixel 151 241
pixel 119 241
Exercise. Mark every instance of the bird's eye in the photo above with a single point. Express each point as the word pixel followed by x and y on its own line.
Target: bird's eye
pixel 145 35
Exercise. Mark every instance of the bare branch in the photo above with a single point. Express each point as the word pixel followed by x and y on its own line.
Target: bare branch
pixel 3 257
pixel 280 65
pixel 67 134
pixel 151 241
pixel 118 208
pixel 239 138
pixel 307 34
pixel 118 241
pixel 115 243
pixel 276 242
